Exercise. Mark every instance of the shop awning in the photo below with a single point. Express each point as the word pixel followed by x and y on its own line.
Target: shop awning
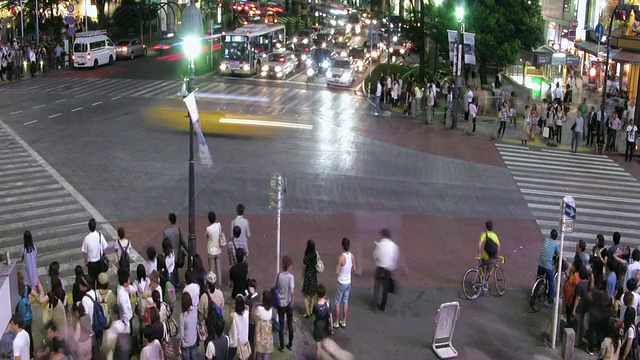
pixel 627 56
pixel 590 46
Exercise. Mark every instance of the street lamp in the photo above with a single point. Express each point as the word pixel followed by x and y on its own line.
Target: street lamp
pixel 191 32
pixel 458 60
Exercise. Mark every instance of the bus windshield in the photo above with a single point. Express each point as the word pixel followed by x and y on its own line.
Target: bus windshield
pixel 235 48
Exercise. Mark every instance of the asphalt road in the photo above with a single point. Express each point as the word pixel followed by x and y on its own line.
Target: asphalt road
pixel 116 135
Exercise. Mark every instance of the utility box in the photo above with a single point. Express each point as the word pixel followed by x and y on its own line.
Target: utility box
pixel 445 325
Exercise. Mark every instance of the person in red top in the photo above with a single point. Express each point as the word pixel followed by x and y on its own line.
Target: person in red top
pixel 569 288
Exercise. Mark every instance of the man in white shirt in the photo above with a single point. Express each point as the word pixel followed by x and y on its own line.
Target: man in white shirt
pixel 192 288
pixel 243 223
pixel 632 136
pixel 633 268
pixel 386 258
pixel 214 244
pixel 21 343
pixel 93 246
pixel 469 100
pixel 110 339
pixel 124 301
pixel 430 102
pixel 557 92
pixel 378 96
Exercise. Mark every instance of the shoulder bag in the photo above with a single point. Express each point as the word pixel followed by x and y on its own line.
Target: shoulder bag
pixel 104 260
pixel 319 264
pixel 244 349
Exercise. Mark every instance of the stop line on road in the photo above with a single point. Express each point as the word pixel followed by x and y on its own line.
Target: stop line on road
pixel 606 195
pixel 161 89
pixel 35 197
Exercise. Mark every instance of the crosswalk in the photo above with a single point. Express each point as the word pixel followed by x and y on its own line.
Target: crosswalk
pixel 161 89
pixel 607 197
pixel 35 197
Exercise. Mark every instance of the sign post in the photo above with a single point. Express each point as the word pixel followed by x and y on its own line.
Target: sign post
pixel 599 33
pixel 568 211
pixel 278 186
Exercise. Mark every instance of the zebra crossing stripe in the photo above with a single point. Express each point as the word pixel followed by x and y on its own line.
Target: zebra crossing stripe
pixel 607 197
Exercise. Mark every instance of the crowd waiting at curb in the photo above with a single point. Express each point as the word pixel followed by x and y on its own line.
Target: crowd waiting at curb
pixel 93 322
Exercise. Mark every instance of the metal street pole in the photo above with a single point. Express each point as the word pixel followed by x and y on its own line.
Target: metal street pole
pixel 606 71
pixel 456 100
pixel 278 186
pixel 422 40
pixel 192 178
pixel 37 26
pixel 86 15
pixel 21 19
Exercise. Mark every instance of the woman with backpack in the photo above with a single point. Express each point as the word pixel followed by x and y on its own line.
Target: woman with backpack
pixel 54 309
pixel 122 251
pixel 29 253
pixel 322 324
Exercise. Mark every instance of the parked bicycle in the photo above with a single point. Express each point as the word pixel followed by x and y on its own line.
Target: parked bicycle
pixel 475 283
pixel 542 287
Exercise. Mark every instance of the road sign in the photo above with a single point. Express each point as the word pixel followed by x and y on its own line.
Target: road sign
pixel 71 20
pixel 599 32
pixel 71 8
pixel 71 31
pixel 570 211
pixel 574 23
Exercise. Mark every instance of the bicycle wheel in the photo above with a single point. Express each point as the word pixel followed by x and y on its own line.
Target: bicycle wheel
pixel 538 295
pixel 471 284
pixel 499 280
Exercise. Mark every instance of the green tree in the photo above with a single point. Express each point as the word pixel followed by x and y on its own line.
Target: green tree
pixel 503 28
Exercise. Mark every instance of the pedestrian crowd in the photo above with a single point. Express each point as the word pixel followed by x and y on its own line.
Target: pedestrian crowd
pixel 20 56
pixel 185 317
pixel 601 296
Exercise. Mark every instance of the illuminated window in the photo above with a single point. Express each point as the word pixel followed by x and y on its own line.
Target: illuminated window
pixel 566 5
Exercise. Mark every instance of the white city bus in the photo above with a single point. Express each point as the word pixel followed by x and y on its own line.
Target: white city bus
pixel 244 48
pixel 92 49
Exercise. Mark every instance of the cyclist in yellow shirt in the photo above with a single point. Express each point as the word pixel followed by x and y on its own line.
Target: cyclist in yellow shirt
pixel 488 250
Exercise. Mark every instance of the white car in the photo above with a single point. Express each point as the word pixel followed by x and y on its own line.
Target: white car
pixel 341 73
pixel 279 64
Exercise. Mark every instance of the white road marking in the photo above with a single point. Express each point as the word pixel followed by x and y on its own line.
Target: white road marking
pixel 30 122
pixel 97 103
pixel 15 112
pixel 115 98
pixel 71 190
pixel 61 100
pixel 76 109
pixel 54 115
pixel 38 106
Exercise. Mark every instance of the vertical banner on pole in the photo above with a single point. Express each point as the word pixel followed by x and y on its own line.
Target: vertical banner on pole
pixel 469 47
pixel 194 114
pixel 452 36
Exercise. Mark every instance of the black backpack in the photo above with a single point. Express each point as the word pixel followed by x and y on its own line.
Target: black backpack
pixel 490 246
pixel 215 319
pixel 124 264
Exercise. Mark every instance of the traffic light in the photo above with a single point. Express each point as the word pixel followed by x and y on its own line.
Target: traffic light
pixel 592 74
pixel 622 15
pixel 623 12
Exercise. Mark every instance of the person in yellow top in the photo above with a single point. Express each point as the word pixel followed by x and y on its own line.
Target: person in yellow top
pixel 488 249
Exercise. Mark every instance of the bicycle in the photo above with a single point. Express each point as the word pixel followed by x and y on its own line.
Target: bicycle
pixel 474 282
pixel 542 287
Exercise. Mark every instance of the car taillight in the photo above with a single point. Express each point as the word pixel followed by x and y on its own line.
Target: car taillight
pixel 124 49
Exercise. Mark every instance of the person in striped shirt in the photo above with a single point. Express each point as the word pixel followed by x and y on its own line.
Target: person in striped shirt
pixel 550 250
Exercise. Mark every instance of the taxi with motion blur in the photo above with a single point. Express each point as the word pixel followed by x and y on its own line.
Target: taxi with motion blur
pixel 341 73
pixel 279 64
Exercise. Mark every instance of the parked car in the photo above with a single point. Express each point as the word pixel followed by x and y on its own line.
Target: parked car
pixel 130 49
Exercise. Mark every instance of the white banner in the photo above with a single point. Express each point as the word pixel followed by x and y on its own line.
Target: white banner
pixel 469 41
pixel 453 36
pixel 194 115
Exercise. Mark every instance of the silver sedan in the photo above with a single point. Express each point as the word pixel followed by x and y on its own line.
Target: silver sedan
pixel 130 49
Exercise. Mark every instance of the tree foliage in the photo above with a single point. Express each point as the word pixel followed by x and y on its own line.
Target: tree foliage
pixel 503 28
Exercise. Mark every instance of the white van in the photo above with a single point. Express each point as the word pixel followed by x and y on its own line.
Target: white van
pixel 92 49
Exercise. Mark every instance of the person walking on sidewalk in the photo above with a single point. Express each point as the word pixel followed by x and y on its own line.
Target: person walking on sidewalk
pixel 576 132
pixel 286 286
pixel 560 118
pixel 430 102
pixel 592 126
pixel 615 124
pixel 346 266
pixel 526 125
pixel 632 135
pixel 469 100
pixel 583 109
pixel 504 116
pixel 386 258
pixel 322 323
pixel 473 112
pixel 378 97
pixel 93 248
pixel 215 241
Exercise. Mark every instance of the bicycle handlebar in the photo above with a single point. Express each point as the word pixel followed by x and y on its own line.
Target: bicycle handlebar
pixel 500 257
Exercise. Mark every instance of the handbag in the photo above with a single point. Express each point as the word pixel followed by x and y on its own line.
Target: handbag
pixel 319 264
pixel 222 240
pixel 573 127
pixel 244 349
pixel 172 326
pixel 182 255
pixel 275 292
pixel 104 260
pixel 167 345
pixel 545 133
